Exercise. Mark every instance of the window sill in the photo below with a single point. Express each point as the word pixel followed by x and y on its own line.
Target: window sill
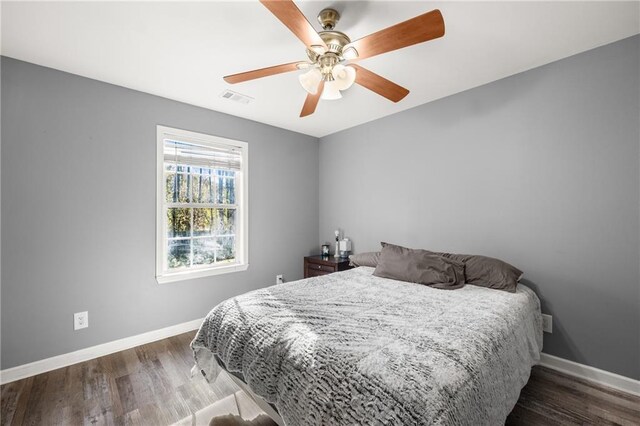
pixel 189 275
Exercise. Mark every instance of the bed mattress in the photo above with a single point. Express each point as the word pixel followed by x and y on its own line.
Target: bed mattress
pixel 350 348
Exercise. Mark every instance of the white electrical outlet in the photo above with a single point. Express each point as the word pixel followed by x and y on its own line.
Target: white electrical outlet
pixel 547 323
pixel 80 320
pixel 279 279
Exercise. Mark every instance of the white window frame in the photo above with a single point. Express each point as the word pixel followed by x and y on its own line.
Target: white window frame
pixel 163 275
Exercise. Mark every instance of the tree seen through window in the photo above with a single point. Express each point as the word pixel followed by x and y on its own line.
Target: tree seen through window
pixel 201 215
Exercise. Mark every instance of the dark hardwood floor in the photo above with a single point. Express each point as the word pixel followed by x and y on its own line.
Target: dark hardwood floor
pixel 152 385
pixel 146 385
pixel 553 398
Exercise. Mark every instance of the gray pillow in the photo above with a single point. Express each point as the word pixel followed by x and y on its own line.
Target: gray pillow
pixel 484 271
pixel 365 259
pixel 488 272
pixel 419 266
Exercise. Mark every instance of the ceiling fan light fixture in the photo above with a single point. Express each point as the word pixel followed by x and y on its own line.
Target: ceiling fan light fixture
pixel 310 80
pixel 330 91
pixel 344 76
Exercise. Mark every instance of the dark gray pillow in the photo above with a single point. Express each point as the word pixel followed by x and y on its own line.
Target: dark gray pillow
pixel 488 272
pixel 419 266
pixel 484 271
pixel 365 259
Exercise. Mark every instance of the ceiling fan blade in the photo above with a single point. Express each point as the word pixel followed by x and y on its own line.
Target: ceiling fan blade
pixel 416 30
pixel 262 72
pixel 289 14
pixel 379 84
pixel 311 102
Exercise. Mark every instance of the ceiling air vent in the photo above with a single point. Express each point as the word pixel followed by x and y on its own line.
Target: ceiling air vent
pixel 235 96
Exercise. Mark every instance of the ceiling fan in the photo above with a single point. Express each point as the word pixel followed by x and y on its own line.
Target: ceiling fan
pixel 329 51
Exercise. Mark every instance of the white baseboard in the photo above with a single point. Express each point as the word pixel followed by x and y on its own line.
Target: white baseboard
pixel 53 363
pixel 602 377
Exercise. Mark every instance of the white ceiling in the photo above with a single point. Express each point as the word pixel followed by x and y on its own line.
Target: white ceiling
pixel 181 50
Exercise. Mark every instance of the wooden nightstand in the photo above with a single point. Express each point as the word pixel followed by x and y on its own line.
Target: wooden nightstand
pixel 322 265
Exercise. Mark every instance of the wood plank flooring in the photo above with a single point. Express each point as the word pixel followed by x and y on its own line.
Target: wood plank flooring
pixel 148 385
pixel 152 385
pixel 553 398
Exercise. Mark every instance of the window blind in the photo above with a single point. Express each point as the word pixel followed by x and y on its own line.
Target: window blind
pixel 191 153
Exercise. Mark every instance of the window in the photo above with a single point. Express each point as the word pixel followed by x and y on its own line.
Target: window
pixel 202 205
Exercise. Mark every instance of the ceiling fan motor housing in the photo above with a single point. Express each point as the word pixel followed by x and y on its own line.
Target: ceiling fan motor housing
pixel 335 41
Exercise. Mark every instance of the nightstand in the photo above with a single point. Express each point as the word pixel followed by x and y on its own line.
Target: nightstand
pixel 322 265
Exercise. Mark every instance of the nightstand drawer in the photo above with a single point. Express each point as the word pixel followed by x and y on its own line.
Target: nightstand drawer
pixel 315 273
pixel 315 266
pixel 319 267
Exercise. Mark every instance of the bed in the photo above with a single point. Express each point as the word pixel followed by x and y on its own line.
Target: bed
pixel 352 348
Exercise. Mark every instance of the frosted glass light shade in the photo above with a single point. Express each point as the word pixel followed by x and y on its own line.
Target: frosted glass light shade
pixel 310 80
pixel 331 91
pixel 344 76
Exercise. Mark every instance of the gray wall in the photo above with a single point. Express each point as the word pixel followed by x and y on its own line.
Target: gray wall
pixel 540 169
pixel 78 211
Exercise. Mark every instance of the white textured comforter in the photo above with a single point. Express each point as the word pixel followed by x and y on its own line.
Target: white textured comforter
pixel 350 348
